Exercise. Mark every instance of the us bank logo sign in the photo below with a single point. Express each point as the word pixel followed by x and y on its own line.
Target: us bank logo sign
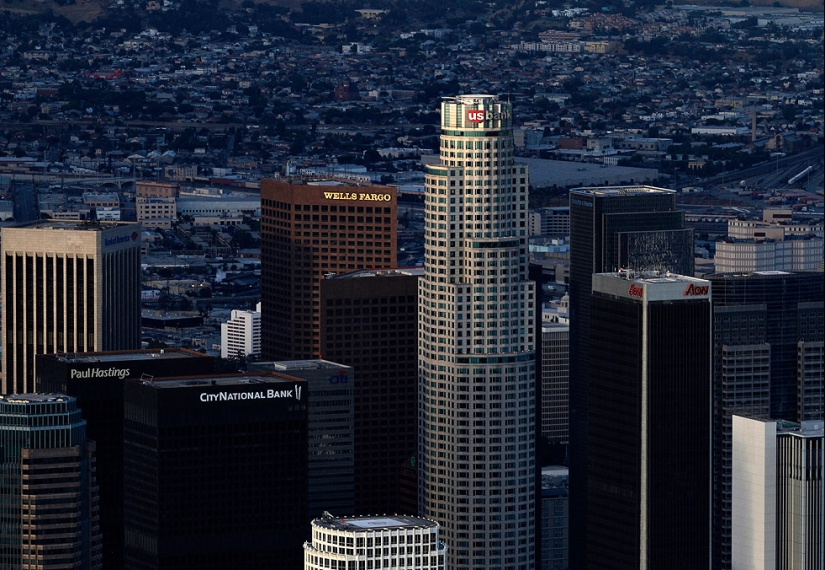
pixel 295 393
pixel 480 115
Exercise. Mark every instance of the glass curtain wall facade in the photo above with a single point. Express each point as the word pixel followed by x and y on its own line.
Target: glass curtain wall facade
pixel 635 227
pixel 48 491
pixel 477 400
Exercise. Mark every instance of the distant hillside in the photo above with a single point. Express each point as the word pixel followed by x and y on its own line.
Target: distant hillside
pixel 807 5
pixel 91 10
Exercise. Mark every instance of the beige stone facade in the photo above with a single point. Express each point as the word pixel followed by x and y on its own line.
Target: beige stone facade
pixel 67 287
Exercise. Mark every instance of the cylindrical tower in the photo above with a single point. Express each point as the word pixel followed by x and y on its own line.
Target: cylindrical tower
pixel 476 343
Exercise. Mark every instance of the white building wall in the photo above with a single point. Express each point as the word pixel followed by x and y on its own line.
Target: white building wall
pixel 753 533
pixel 241 334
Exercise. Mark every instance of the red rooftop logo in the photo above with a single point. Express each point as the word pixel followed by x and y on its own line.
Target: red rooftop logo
pixel 635 291
pixel 480 115
pixel 696 290
pixel 475 115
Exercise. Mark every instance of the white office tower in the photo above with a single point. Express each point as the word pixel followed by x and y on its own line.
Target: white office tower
pixel 241 334
pixel 476 343
pixel 778 509
pixel 366 543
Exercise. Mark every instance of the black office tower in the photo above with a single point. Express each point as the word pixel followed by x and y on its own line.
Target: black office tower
pixel 767 363
pixel 369 321
pixel 635 227
pixel 648 501
pixel 215 473
pixel 96 380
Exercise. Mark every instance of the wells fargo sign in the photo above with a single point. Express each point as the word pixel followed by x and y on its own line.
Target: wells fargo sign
pixel 358 196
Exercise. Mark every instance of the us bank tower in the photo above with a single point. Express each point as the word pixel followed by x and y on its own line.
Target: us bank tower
pixel 476 343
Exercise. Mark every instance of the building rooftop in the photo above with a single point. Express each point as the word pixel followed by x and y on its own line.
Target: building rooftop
pixel 88 225
pixel 416 271
pixel 128 355
pixel 372 523
pixel 300 365
pixel 622 190
pixel 34 398
pixel 220 380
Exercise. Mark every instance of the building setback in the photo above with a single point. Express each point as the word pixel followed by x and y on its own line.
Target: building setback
pixel 96 380
pixel 47 525
pixel 477 375
pixel 67 287
pixel 307 232
pixel 369 321
pixel 767 362
pixel 633 227
pixel 215 473
pixel 648 502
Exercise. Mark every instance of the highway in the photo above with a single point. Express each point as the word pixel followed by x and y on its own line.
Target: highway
pixel 773 173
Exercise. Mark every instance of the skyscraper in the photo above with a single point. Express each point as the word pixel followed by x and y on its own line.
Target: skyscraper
pixel 778 495
pixel 555 376
pixel 635 227
pixel 767 363
pixel 477 343
pixel 330 454
pixel 96 380
pixel 67 287
pixel 241 334
pixel 369 321
pixel 215 473
pixel 648 502
pixel 307 231
pixel 48 489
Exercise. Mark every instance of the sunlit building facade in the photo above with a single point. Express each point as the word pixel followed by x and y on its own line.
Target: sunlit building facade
pixel 477 344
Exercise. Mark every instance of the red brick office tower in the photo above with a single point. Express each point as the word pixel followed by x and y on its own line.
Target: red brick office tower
pixel 309 230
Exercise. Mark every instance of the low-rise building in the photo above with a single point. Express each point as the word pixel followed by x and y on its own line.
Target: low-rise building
pixel 156 212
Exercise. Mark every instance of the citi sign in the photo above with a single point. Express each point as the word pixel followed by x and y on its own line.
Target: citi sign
pixel 480 115
pixel 696 290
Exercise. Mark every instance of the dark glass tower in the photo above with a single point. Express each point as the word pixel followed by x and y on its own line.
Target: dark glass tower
pixel 767 363
pixel 96 381
pixel 48 490
pixel 215 473
pixel 369 321
pixel 648 501
pixel 636 227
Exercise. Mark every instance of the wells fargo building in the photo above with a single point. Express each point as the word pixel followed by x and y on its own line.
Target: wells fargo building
pixel 308 231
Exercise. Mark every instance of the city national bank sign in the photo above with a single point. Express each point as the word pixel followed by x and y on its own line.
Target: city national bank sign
pixel 358 196
pixel 254 395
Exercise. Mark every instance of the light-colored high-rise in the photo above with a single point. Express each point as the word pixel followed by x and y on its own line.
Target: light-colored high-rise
pixel 67 287
pixel 241 334
pixel 778 494
pixel 374 542
pixel 476 343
